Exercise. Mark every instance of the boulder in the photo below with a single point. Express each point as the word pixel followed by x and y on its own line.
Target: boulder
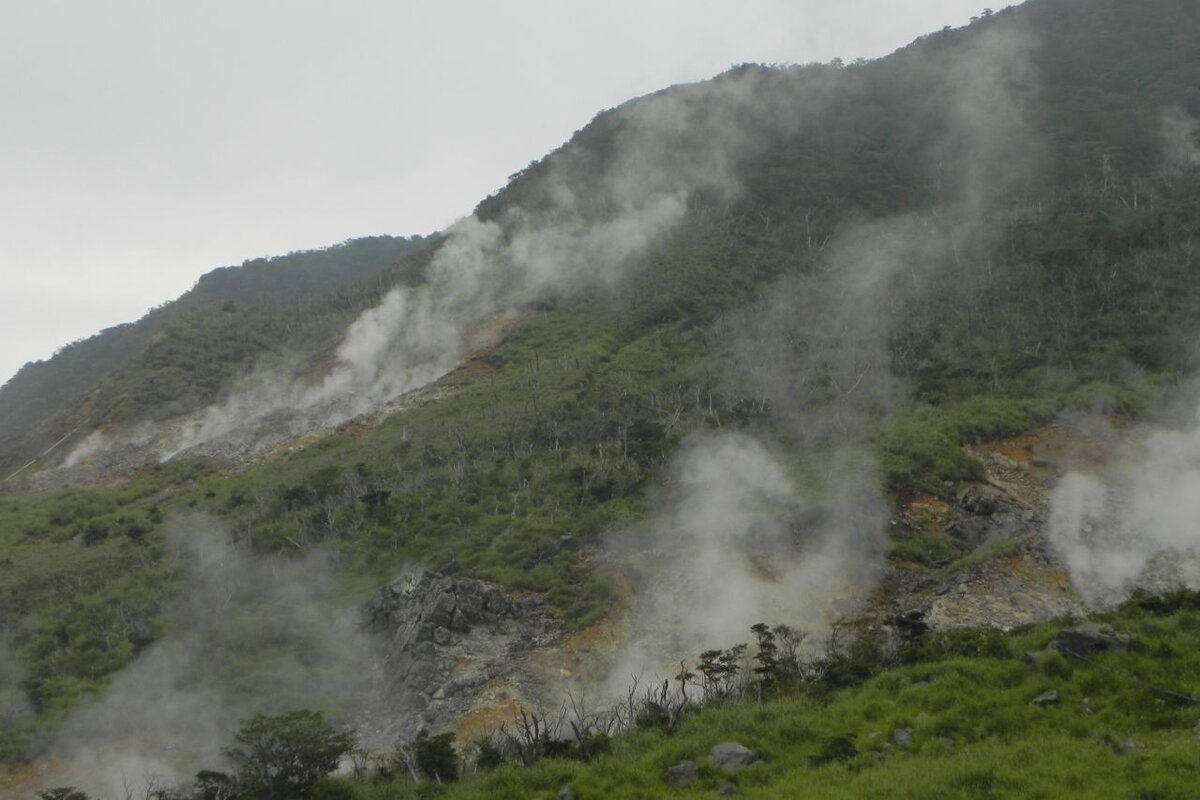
pixel 730 756
pixel 1044 699
pixel 982 500
pixel 1091 637
pixel 902 737
pixel 685 773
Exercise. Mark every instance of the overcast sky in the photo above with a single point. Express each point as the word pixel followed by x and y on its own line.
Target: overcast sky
pixel 145 142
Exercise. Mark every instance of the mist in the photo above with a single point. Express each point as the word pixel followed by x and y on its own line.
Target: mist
pixel 740 540
pixel 787 524
pixel 1180 139
pixel 581 225
pixel 244 635
pixel 782 523
pixel 1134 524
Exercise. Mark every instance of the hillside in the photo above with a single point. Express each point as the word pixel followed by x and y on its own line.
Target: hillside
pixel 908 343
pixel 257 290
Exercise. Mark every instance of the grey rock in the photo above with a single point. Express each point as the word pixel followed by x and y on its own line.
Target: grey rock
pixel 685 773
pixel 1002 461
pixel 470 605
pixel 442 612
pixel 1049 698
pixel 902 737
pixel 565 794
pixel 971 531
pixel 444 640
pixel 1091 637
pixel 731 756
pixel 532 602
pixel 981 500
pixel 728 790
pixel 1126 747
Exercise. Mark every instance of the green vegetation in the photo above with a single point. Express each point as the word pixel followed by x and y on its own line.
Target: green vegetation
pixel 281 757
pixel 946 715
pixel 1122 728
pixel 1081 293
pixel 183 351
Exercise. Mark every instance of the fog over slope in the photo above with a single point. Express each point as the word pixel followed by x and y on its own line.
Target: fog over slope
pixel 806 550
pixel 783 520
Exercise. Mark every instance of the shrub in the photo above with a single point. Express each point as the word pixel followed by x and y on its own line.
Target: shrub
pixel 435 756
pixel 282 757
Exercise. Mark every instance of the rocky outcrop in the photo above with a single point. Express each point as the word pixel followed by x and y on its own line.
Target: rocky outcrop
pixel 446 641
pixel 421 606
pixel 1090 637
pixel 731 756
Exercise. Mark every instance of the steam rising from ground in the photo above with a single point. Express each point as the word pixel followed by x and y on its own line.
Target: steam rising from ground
pixel 1181 140
pixel 584 227
pixel 1136 525
pixel 739 541
pixel 245 635
pixel 795 534
pixel 745 532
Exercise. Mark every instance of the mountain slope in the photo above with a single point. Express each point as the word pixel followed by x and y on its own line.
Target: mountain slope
pixel 260 286
pixel 725 336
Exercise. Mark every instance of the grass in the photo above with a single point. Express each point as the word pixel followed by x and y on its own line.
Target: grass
pixel 974 731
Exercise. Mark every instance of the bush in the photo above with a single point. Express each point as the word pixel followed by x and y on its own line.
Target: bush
pixel 435 756
pixel 282 757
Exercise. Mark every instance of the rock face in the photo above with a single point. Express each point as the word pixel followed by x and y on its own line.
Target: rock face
pixel 445 641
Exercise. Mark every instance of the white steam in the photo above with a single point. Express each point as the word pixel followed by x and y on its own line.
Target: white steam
pixel 245 635
pixel 1181 140
pixel 743 539
pixel 585 226
pixel 1138 524
pixel 739 541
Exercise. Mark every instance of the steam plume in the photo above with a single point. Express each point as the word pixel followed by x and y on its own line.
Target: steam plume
pixel 584 224
pixel 1136 524
pixel 795 533
pixel 1181 140
pixel 246 635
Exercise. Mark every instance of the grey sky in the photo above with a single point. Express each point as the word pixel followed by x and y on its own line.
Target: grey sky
pixel 144 142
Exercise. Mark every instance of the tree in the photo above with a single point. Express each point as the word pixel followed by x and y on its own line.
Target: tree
pixel 435 756
pixel 281 757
